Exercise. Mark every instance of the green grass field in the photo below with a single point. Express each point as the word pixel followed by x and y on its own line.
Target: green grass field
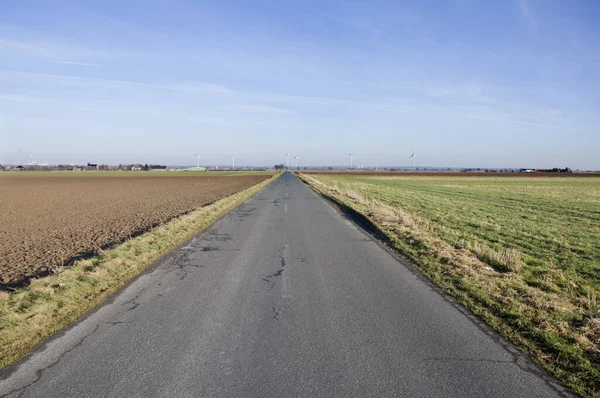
pixel 157 173
pixel 523 253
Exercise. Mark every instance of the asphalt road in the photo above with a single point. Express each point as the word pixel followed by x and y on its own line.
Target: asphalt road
pixel 282 297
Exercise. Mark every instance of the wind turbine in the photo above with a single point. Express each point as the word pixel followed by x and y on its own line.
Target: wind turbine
pixel 287 160
pixel 412 156
pixel 296 159
pixel 233 162
pixel 197 158
pixel 350 160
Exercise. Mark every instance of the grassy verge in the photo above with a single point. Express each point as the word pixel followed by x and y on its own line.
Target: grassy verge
pixel 33 313
pixel 522 254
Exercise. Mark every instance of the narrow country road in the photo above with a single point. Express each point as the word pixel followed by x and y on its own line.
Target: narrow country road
pixel 284 297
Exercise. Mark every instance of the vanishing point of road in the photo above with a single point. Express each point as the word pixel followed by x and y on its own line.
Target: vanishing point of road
pixel 283 297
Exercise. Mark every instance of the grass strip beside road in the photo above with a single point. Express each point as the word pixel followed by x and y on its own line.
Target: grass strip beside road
pixel 31 314
pixel 521 254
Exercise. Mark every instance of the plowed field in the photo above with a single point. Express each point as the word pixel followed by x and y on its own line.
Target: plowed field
pixel 47 221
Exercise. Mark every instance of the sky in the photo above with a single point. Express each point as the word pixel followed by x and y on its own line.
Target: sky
pixel 468 83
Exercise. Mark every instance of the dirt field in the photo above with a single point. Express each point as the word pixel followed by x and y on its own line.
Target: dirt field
pixel 46 222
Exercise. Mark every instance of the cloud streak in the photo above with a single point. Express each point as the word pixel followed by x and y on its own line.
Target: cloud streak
pixel 458 101
pixel 53 51
pixel 63 81
pixel 28 48
pixel 76 63
pixel 527 14
pixel 260 109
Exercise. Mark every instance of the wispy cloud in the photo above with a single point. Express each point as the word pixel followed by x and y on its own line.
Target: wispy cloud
pixel 20 98
pixel 528 14
pixel 360 24
pixel 328 101
pixel 259 108
pixel 76 63
pixel 27 48
pixel 62 81
pixel 54 51
pixel 456 100
pixel 193 87
pixel 297 98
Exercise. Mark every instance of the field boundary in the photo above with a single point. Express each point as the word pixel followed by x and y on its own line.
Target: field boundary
pixel 485 318
pixel 31 314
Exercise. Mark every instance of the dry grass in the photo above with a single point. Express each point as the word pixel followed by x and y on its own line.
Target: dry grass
pixel 31 314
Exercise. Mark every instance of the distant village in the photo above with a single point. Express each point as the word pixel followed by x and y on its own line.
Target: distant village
pixel 87 167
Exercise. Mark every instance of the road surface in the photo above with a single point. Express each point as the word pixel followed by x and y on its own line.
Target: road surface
pixel 282 297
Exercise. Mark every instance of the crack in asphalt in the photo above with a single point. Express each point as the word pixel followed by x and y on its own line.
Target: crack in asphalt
pixel 183 262
pixel 182 259
pixel 279 272
pixel 275 314
pixel 39 373
pixel 516 358
pixel 244 212
pixel 215 236
pixel 275 275
pixel 134 299
pixel 115 323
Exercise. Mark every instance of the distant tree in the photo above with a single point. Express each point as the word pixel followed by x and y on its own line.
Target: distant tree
pixel 146 167
pixel 279 167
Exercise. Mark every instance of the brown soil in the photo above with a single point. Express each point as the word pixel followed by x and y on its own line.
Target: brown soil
pixel 47 222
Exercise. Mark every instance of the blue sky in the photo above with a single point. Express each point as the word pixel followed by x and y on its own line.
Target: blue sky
pixel 511 83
